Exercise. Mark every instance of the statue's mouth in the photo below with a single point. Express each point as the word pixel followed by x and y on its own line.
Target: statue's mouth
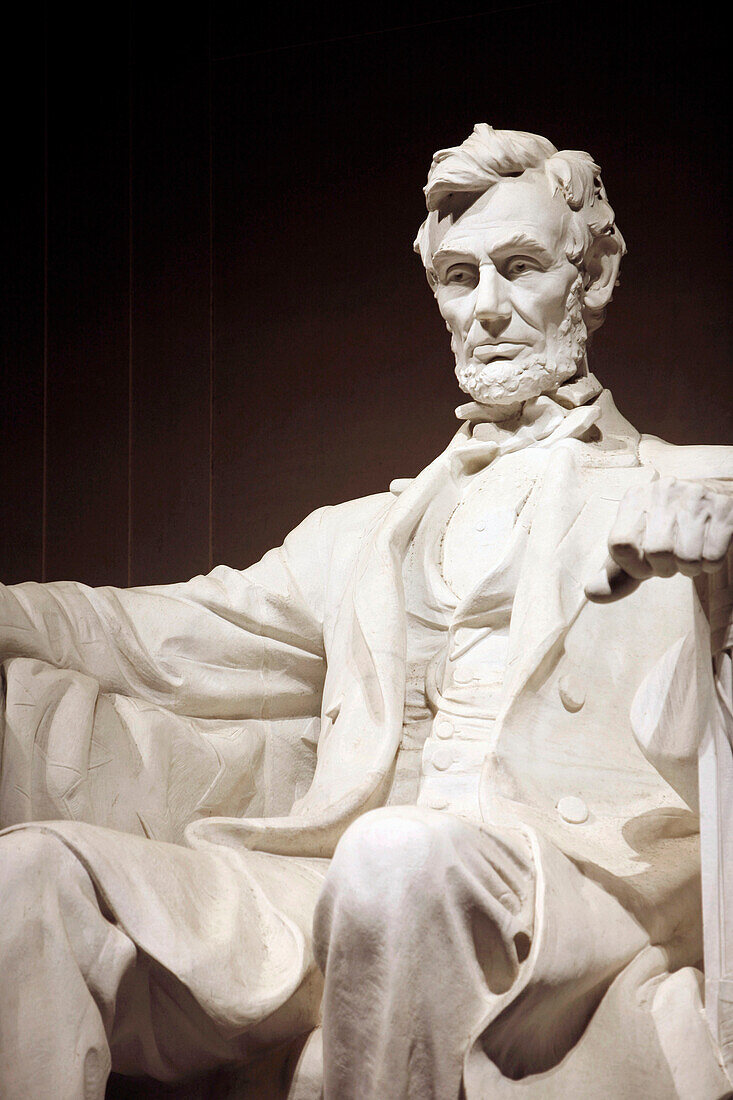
pixel 486 353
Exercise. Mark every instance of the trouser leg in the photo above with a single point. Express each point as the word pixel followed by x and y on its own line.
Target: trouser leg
pixel 61 964
pixel 89 966
pixel 422 917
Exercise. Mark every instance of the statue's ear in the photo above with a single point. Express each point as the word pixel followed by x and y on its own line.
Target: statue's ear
pixel 601 267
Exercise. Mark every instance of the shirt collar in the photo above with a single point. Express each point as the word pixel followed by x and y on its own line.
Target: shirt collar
pixel 544 420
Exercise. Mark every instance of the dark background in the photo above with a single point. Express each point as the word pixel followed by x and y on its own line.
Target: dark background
pixel 213 321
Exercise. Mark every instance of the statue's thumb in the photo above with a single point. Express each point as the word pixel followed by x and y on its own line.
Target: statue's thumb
pixel 610 584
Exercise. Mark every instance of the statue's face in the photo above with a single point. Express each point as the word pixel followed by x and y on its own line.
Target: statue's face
pixel 509 294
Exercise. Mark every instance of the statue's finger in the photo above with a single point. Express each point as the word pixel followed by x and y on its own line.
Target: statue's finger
pixel 611 583
pixel 628 536
pixel 662 563
pixel 630 558
pixel 689 542
pixel 659 541
pixel 717 543
pixel 661 532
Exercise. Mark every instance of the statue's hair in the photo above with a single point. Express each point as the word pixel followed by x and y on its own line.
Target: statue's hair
pixel 459 175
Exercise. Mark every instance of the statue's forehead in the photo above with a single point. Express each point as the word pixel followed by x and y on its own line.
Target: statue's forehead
pixel 513 205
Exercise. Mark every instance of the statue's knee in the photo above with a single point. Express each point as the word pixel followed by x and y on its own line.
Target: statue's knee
pixel 385 860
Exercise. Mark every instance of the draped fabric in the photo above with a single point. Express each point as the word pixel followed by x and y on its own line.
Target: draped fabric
pixel 147 708
pixel 251 716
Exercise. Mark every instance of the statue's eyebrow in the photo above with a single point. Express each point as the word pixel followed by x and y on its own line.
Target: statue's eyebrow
pixel 524 241
pixel 451 255
pixel 519 240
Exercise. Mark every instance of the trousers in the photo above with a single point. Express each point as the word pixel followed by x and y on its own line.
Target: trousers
pixel 416 941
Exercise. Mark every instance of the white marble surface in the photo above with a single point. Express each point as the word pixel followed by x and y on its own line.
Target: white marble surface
pixel 413 801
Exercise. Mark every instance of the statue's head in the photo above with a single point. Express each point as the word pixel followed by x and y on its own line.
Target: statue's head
pixel 522 252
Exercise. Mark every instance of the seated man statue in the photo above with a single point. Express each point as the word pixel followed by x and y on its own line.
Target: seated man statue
pixel 416 796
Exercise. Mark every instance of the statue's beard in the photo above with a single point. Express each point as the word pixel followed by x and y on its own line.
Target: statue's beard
pixel 509 382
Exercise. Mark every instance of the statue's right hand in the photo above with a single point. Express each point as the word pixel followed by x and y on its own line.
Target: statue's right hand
pixel 665 527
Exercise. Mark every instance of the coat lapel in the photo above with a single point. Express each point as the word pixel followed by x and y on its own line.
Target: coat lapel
pixel 576 506
pixel 548 594
pixel 363 695
pixel 364 691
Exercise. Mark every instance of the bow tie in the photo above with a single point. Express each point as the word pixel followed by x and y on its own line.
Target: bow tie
pixel 543 422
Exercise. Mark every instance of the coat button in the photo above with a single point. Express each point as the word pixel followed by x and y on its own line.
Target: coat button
pixel 572 693
pixel 573 810
pixel 443 729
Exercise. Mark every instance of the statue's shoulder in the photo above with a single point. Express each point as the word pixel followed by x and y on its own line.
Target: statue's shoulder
pixel 352 517
pixel 360 508
pixel 348 517
pixel 670 460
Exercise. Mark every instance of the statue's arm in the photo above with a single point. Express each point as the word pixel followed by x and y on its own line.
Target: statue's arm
pixel 667 526
pixel 232 643
pixel 686 525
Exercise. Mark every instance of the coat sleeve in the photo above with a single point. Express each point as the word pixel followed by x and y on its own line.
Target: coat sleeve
pixel 232 644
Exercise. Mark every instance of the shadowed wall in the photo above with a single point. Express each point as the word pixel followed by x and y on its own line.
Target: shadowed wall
pixel 213 320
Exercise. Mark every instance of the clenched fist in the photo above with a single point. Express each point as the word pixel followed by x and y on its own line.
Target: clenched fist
pixel 662 528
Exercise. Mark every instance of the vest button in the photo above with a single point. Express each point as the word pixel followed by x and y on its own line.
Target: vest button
pixel 573 810
pixel 443 729
pixel 442 758
pixel 572 693
pixel 437 802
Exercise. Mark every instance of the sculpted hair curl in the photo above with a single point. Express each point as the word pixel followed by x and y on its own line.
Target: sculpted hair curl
pixel 460 174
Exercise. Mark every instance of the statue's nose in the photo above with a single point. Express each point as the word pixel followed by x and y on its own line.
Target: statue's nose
pixel 492 310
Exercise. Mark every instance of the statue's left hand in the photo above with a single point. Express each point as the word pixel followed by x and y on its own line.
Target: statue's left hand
pixel 662 528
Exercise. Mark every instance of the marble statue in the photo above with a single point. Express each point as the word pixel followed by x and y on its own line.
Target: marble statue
pixel 412 807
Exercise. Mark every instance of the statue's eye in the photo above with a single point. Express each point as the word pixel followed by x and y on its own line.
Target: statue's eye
pixel 520 265
pixel 461 275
